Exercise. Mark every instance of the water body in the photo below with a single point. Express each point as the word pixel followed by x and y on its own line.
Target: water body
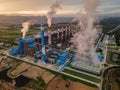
pixel 3 76
pixel 20 81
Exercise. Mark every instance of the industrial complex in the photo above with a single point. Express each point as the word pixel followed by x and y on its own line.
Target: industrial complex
pixel 48 54
pixel 37 50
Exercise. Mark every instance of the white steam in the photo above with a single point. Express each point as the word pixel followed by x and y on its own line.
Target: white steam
pixel 86 37
pixel 55 5
pixel 25 29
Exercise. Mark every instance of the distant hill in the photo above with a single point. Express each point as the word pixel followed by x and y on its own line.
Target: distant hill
pixel 38 19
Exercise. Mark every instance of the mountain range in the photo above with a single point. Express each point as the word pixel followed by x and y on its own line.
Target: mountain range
pixel 15 20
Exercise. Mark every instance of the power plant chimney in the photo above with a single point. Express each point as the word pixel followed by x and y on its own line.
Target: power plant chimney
pixel 43 45
pixel 49 36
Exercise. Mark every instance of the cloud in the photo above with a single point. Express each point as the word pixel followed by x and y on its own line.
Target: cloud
pixel 35 6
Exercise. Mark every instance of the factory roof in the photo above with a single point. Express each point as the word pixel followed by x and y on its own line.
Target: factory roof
pixel 28 39
pixel 84 66
pixel 32 45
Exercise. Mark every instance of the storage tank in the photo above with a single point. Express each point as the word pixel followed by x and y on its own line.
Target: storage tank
pixel 62 58
pixel 58 62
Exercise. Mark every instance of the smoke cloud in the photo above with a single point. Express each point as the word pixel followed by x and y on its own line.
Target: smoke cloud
pixel 87 35
pixel 55 5
pixel 25 29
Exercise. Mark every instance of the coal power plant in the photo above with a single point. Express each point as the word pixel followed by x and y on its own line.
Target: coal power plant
pixel 38 49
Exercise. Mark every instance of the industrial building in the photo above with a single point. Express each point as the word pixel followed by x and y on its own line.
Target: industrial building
pixel 79 65
pixel 37 47
pixel 59 36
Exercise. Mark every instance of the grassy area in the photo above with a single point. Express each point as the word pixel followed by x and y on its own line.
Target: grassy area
pixel 14 33
pixel 38 84
pixel 41 82
pixel 113 47
pixel 104 85
pixel 110 55
pixel 93 79
pixel 110 60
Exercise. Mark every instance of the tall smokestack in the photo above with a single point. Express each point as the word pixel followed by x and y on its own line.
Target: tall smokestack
pixel 43 45
pixel 55 5
pixel 49 36
pixel 25 29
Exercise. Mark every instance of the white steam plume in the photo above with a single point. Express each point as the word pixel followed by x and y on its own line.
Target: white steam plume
pixel 86 37
pixel 25 26
pixel 55 5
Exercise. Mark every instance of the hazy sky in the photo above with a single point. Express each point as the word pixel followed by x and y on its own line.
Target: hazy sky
pixel 38 7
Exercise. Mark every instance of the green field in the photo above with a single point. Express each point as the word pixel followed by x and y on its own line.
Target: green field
pixel 110 55
pixel 13 33
pixel 93 79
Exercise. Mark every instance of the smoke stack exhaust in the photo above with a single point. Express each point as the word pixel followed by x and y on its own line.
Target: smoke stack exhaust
pixel 86 37
pixel 55 5
pixel 25 29
pixel 49 35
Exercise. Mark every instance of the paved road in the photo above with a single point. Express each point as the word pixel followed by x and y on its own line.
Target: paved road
pixel 103 68
pixel 97 84
pixel 99 40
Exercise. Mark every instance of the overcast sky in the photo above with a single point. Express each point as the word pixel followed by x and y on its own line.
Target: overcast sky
pixel 38 7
